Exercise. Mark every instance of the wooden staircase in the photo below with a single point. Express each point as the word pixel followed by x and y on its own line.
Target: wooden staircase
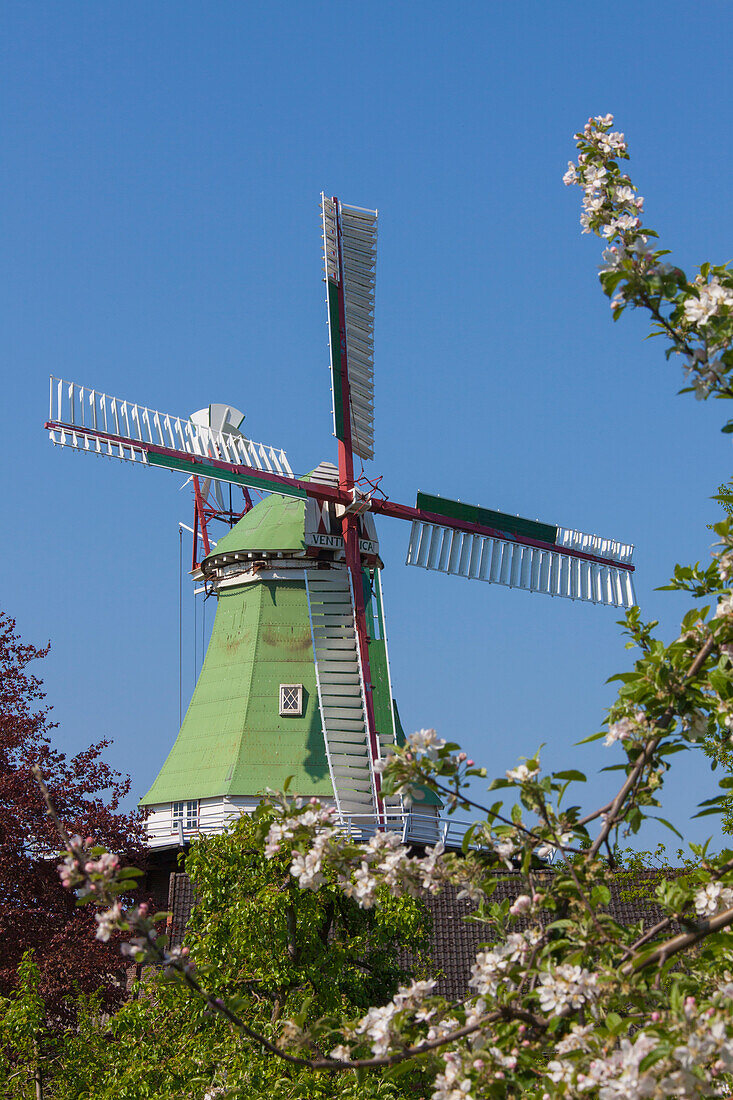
pixel 341 690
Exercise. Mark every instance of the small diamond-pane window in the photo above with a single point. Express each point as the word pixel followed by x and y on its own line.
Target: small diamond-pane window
pixel 291 700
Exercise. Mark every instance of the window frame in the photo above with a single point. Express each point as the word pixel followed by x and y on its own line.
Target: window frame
pixel 185 811
pixel 288 711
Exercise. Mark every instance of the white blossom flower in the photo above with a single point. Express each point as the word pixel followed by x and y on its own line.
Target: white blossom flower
pixel 341 1053
pixel 624 728
pixel 426 743
pixel 576 1039
pixel 595 176
pixel 711 898
pixel 107 921
pixel 521 904
pixel 613 257
pixel 713 297
pixel 594 201
pixel 491 967
pixel 571 176
pixel 432 868
pixel 625 222
pixel 724 608
pixel 69 871
pixel 307 870
pixel 624 194
pixel 505 849
pixel 523 773
pixel 363 886
pixel 612 143
pixel 566 985
pixel 452 1084
pixel 278 832
pixel 377 1024
pixel 560 1072
pixel 619 1073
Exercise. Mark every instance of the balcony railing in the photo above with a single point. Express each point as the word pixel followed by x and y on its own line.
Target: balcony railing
pixel 414 828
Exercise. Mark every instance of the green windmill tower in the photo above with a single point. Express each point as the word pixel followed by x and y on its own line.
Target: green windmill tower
pixel 296 677
pixel 280 693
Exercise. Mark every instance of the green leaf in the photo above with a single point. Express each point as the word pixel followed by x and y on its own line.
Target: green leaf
pixel 669 825
pixel 600 895
pixel 571 775
pixel 593 737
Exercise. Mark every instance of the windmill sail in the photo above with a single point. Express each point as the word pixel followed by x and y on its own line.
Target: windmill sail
pixel 484 545
pixel 97 423
pixel 350 252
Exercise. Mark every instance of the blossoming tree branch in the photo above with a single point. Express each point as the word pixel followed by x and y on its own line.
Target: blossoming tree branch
pixel 563 1001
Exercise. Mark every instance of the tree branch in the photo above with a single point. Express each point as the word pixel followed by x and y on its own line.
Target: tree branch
pixel 646 755
pixel 679 943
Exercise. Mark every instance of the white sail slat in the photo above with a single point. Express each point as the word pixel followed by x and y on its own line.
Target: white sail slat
pixel 84 417
pixel 534 569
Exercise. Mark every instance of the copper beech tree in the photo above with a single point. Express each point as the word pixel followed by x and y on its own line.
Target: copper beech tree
pixel 36 912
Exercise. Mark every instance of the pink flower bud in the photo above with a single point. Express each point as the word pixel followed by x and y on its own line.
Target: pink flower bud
pixel 461 757
pixel 470 763
pixel 143 909
pixel 521 905
pixel 656 1016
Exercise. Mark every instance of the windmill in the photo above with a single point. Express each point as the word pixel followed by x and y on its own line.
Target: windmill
pixel 296 677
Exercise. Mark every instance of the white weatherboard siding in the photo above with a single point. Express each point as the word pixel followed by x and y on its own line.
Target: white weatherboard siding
pixel 423 826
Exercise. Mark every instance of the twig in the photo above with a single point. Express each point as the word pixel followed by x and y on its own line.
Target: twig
pixel 646 755
pixel 50 808
pixel 680 943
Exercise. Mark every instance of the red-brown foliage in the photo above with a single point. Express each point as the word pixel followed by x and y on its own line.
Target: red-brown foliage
pixel 35 910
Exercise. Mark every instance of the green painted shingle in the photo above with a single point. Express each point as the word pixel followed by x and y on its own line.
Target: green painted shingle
pixel 233 740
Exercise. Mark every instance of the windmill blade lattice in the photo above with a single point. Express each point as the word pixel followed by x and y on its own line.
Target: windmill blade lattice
pixel 350 252
pixel 554 560
pixel 97 423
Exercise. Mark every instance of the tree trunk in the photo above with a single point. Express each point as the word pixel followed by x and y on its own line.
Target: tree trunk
pixel 37 1071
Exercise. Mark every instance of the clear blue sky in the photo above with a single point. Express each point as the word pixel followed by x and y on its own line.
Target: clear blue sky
pixel 162 167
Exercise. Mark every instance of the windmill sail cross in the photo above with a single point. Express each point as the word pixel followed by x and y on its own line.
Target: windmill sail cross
pixel 298 588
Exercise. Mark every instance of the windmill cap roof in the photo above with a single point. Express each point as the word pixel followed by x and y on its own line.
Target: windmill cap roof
pixel 277 523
